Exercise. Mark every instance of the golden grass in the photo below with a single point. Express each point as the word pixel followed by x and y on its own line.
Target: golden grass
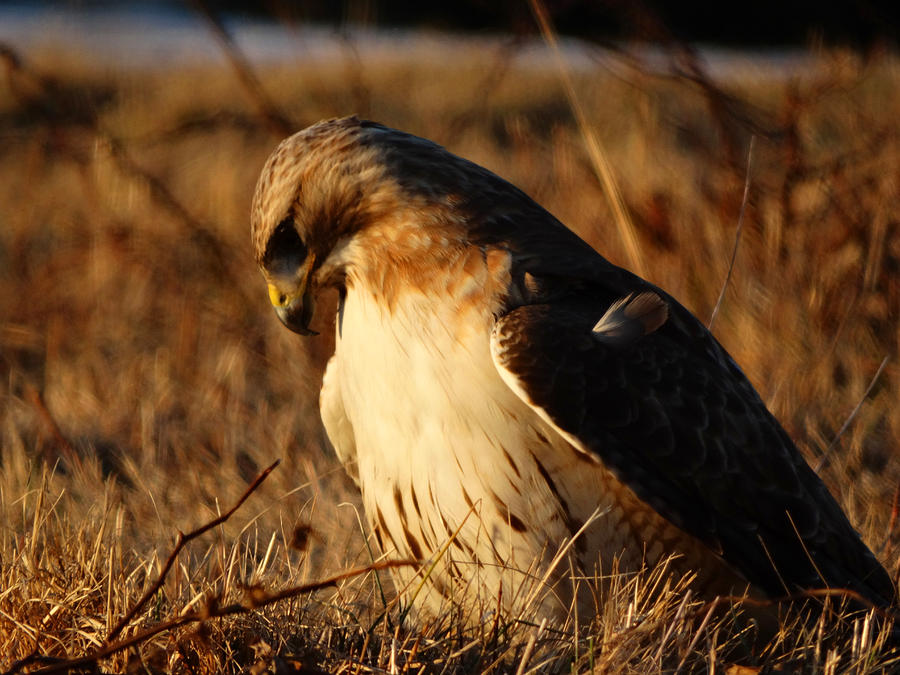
pixel 146 381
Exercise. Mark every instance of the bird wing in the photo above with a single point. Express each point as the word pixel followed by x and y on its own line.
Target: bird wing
pixel 651 394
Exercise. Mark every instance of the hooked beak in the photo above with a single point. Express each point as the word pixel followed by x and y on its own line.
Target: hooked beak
pixel 294 302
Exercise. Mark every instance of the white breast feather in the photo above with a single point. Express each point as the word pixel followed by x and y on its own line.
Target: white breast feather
pixel 413 393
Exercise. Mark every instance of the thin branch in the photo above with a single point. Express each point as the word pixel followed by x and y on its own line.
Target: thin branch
pixel 64 445
pixel 31 88
pixel 35 656
pixel 183 539
pixel 162 195
pixel 257 599
pixel 737 235
pixel 277 122
pixel 595 150
pixel 824 458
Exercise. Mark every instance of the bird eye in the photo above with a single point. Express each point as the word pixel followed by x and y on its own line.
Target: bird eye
pixel 285 251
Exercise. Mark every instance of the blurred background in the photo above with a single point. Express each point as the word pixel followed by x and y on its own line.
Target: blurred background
pixel 144 379
pixel 766 23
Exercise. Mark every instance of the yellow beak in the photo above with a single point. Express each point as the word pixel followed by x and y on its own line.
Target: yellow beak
pixel 294 304
pixel 279 299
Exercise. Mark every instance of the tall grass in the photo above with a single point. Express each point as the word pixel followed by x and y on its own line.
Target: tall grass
pixel 146 381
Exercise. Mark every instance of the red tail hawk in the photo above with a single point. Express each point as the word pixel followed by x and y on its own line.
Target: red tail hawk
pixel 496 382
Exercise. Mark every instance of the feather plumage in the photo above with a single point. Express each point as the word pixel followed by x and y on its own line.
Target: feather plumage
pixel 497 383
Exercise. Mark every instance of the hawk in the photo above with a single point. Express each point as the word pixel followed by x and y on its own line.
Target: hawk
pixel 499 389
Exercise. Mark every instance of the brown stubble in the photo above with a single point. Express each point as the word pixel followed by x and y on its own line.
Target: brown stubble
pixel 174 386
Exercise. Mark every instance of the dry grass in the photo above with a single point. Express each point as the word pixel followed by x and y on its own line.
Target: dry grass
pixel 146 381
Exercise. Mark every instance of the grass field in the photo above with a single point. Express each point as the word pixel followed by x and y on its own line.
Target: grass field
pixel 146 380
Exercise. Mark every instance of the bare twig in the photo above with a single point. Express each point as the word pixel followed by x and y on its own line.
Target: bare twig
pixel 595 150
pixel 213 611
pixel 737 235
pixel 255 597
pixel 34 657
pixel 824 458
pixel 183 539
pixel 54 100
pixel 277 122
pixel 163 196
pixel 64 445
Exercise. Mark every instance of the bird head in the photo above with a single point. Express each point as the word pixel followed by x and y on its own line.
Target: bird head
pixel 314 194
pixel 348 200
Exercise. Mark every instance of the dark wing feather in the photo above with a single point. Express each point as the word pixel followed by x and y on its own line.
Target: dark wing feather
pixel 672 416
pixel 668 411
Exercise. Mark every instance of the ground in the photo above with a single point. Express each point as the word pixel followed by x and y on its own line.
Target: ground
pixel 146 381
